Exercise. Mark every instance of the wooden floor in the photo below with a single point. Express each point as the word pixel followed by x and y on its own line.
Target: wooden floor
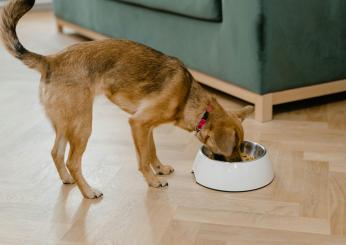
pixel 306 203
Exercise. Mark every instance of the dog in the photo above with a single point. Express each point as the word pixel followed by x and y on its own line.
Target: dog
pixel 152 87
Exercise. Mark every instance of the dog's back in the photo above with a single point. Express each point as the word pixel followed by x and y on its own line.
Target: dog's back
pixel 117 63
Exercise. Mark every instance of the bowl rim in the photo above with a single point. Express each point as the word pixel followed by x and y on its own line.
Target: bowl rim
pixel 246 162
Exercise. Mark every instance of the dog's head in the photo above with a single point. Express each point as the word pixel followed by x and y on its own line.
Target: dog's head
pixel 224 132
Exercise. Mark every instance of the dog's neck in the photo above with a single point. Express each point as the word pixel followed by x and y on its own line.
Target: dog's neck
pixel 196 104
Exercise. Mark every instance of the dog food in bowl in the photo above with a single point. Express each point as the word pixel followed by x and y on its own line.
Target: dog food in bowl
pixel 248 152
pixel 245 158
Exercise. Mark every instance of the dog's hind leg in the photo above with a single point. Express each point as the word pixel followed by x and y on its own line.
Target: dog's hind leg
pixel 58 154
pixel 78 135
pixel 158 167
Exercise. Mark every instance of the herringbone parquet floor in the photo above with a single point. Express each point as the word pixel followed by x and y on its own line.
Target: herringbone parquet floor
pixel 306 203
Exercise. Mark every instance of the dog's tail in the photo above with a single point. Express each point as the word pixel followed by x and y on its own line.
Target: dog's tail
pixel 9 18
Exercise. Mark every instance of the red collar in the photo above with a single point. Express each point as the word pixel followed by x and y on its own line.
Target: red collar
pixel 203 121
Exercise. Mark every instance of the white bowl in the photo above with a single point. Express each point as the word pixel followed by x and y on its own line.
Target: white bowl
pixel 235 176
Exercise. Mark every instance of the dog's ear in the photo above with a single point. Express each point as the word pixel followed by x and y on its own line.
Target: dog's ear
pixel 243 112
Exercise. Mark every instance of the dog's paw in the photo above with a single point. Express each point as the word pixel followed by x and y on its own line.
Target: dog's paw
pixel 164 170
pixel 156 183
pixel 93 193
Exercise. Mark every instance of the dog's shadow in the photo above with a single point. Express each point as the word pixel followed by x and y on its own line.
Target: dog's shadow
pixel 65 212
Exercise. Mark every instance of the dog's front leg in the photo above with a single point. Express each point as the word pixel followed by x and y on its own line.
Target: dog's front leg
pixel 141 136
pixel 159 168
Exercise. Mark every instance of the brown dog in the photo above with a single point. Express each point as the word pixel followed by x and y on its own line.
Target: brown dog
pixel 152 87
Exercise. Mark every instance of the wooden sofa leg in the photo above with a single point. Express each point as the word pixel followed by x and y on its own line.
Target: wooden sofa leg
pixel 59 27
pixel 264 108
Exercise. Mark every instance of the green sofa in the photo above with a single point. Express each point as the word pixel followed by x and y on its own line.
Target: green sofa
pixel 258 50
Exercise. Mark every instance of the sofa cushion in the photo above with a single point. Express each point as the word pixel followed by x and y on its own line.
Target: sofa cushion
pixel 200 9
